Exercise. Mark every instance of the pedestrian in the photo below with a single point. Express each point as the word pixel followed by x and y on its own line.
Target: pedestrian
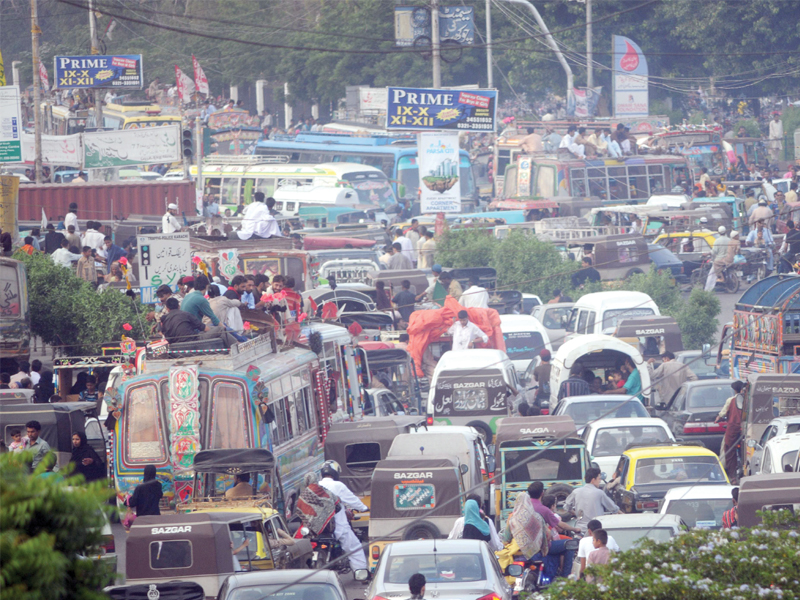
pixel 668 376
pixel 169 222
pixel 85 459
pixel 730 518
pixel 541 375
pixel 412 234
pixel 587 273
pixel 586 545
pixel 601 555
pixel 450 286
pixel 18 442
pixel 775 143
pixel 399 261
pixel 416 585
pixel 113 252
pixel 575 385
pixel 761 212
pixel 52 239
pixel 589 501
pixel 458 526
pixel 86 269
pixel 404 301
pixel 63 256
pixel 405 245
pixel 93 238
pixel 475 296
pixel 428 251
pixel 147 495
pixel 45 389
pixel 342 530
pixel 790 249
pixel 464 332
pixel 71 220
pixel 475 527
pixel 35 443
pixel 74 239
pixel 732 411
pixel 28 248
pixel 23 372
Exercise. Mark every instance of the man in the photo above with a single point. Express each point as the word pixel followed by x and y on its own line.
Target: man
pixel 428 251
pixel 398 261
pixel 551 140
pixel 586 544
pixel 761 237
pixel 791 195
pixel 775 143
pixel 257 221
pixel 113 252
pixel 575 385
pixel 741 132
pixel 28 248
pixel 404 301
pixel 475 296
pixel 241 487
pixel 789 249
pixel 196 304
pixel 730 518
pixel 541 375
pixel 86 269
pixel 416 585
pixel 237 287
pixel 36 369
pixel 457 532
pixel 180 326
pixel 718 253
pixel 91 393
pixel 669 376
pixel 73 238
pixel 405 245
pixel 71 220
pixel 531 142
pixel 342 530
pixel 52 239
pixel 558 546
pixel 761 212
pixel 436 271
pixel 633 384
pixel 704 177
pixel 450 286
pixel 589 502
pixel 559 296
pixel 23 372
pixel 35 443
pixel 587 273
pixel 412 234
pixel 566 141
pixel 248 296
pixel 169 222
pixel 93 238
pixel 294 301
pixel 465 332
pixel 271 207
pixel 79 178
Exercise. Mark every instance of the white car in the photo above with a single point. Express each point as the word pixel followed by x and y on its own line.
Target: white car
pixel 627 530
pixel 780 454
pixel 525 338
pixel 607 439
pixel 699 505
pixel 778 426
pixel 585 409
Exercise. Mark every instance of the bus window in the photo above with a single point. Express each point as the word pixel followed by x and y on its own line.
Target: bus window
pixel 307 156
pixel 111 122
pixel 503 160
pixel 229 191
pixel 266 186
pixel 546 181
pixel 510 182
pixel 408 174
pixel 228 424
pixel 637 179
pixel 143 424
pixel 247 190
pixel 598 182
pixel 213 186
pixel 577 179
pixel 655 174
pixel 617 183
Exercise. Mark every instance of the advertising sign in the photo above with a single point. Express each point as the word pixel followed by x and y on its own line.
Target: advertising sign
pixel 427 109
pixel 9 203
pixel 10 125
pixel 440 189
pixel 150 145
pixel 372 99
pixel 56 149
pixel 583 102
pixel 629 78
pixel 95 71
pixel 163 259
pixel 456 23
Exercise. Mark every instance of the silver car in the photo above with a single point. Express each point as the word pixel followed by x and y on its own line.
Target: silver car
pixel 294 584
pixel 453 569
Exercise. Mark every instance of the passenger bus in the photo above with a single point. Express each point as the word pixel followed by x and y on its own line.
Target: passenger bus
pixel 395 156
pixel 252 396
pixel 702 147
pixel 59 120
pixel 132 114
pixel 613 181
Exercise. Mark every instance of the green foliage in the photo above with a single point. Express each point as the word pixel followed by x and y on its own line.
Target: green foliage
pixel 743 564
pixel 46 522
pixel 660 107
pixel 659 286
pixel 697 117
pixel 791 121
pixel 68 312
pixel 750 126
pixel 469 247
pixel 697 318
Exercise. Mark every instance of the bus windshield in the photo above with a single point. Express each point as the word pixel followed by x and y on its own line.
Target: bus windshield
pixel 372 188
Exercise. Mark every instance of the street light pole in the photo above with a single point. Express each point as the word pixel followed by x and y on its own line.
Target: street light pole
pixel 435 47
pixel 98 98
pixel 589 70
pixel 37 83
pixel 489 43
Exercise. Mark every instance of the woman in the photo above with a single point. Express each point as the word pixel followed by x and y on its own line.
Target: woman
pixel 475 528
pixel 147 494
pixel 85 459
pixel 44 390
pixel 527 528
pixel 382 299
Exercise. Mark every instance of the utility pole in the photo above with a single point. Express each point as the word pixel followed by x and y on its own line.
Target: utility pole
pixel 198 152
pixel 98 98
pixel 37 85
pixel 435 45
pixel 589 70
pixel 489 43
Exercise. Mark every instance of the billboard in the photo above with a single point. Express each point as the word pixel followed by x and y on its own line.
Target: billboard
pixel 150 145
pixel 440 188
pixel 629 79
pixel 56 149
pixel 456 24
pixel 163 259
pixel 423 109
pixel 95 71
pixel 10 125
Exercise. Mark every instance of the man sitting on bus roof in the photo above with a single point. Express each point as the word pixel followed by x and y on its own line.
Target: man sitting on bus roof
pixel 257 221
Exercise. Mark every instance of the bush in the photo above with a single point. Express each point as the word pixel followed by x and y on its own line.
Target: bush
pixel 462 248
pixel 750 126
pixel 525 263
pixel 697 319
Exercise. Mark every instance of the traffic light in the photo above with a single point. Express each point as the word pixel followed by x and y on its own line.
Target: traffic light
pixel 187 143
pixel 144 256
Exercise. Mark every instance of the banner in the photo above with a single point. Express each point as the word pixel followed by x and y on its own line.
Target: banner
pixel 630 79
pixel 428 109
pixel 184 84
pixel 440 189
pixel 9 204
pixel 163 259
pixel 94 71
pixel 2 71
pixel 43 77
pixel 372 99
pixel 56 149
pixel 200 79
pixel 10 125
pixel 456 24
pixel 147 146
pixel 583 103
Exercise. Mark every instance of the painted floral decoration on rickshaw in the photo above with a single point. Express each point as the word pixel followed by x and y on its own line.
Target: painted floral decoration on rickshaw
pixel 114 402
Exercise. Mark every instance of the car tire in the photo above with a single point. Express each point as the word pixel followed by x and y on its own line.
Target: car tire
pixel 633 272
pixel 560 491
pixel 483 429
pixel 421 530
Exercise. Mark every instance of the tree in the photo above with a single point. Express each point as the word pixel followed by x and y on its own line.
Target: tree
pixel 48 525
pixel 68 312
pixel 527 264
pixel 461 248
pixel 731 564
pixel 697 318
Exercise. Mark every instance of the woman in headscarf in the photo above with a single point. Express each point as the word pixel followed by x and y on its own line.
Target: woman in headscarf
pixel 527 528
pixel 475 528
pixel 45 389
pixel 86 461
pixel 147 494
pixel 383 300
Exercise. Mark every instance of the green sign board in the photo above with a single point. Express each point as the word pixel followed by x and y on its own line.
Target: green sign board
pixel 10 125
pixel 414 496
pixel 10 151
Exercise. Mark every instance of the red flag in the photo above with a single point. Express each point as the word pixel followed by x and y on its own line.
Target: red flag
pixel 184 85
pixel 355 328
pixel 330 310
pixel 313 306
pixel 200 79
pixel 43 76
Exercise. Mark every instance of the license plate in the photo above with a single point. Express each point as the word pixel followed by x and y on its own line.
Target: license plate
pixel 518 584
pixel 314 555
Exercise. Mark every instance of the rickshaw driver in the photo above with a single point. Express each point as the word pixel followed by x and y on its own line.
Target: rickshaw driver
pixel 342 530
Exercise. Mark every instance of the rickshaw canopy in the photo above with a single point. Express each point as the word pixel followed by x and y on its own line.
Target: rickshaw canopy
pixel 234 461
pixel 59 421
pixel 512 429
pixel 665 327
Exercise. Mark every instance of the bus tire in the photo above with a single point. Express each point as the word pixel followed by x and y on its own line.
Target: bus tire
pixel 421 530
pixel 483 429
pixel 560 491
pixel 633 272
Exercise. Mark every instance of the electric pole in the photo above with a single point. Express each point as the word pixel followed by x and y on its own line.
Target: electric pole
pixel 98 98
pixel 589 70
pixel 489 43
pixel 37 84
pixel 435 45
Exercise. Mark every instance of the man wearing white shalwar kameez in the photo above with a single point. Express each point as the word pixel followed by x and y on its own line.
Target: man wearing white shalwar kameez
pixel 257 221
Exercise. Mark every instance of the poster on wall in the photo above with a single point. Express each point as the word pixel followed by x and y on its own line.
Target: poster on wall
pixel 440 189
pixel 148 146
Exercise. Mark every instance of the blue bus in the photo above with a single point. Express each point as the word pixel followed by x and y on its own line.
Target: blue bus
pixel 395 156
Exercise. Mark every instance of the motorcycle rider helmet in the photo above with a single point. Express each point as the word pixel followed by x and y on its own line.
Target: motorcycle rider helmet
pixel 331 468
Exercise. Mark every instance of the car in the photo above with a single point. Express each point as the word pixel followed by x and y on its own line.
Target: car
pixel 552 317
pixel 525 337
pixel 454 569
pixel 586 409
pixel 664 260
pixel 688 246
pixel 692 410
pixel 780 454
pixel 529 301
pixel 322 584
pixel 606 439
pixel 776 427
pixel 702 364
pixel 699 505
pixel 645 474
pixel 628 530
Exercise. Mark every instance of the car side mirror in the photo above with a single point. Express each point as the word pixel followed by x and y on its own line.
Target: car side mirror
pixel 514 570
pixel 661 406
pixel 463 468
pixel 491 464
pixel 361 574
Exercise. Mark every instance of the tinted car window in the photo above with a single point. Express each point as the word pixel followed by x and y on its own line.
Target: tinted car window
pixel 583 412
pixel 708 396
pixel 443 568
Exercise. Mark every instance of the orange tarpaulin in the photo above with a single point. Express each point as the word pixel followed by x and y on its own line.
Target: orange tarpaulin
pixel 426 326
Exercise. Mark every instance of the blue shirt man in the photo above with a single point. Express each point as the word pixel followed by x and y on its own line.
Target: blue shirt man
pixel 113 253
pixel 195 303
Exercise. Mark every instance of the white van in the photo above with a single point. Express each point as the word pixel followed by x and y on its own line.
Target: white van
pixel 601 311
pixel 473 388
pixel 525 338
pixel 289 198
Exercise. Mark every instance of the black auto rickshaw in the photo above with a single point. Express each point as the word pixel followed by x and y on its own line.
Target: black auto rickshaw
pixel 652 336
pixel 487 276
pixel 505 302
pixel 767 492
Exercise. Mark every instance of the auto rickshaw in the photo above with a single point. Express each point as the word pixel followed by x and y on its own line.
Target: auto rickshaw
pixel 203 547
pixel 767 492
pixel 390 366
pixel 358 446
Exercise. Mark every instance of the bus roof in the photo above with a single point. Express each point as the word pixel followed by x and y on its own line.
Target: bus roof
pixel 342 144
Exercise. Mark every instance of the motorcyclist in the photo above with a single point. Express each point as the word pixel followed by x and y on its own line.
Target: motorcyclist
pixel 342 530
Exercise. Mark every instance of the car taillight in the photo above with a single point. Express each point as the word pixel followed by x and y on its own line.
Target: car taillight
pixel 108 544
pixel 545 411
pixel 376 552
pixel 430 420
pixel 704 427
pixel 490 597
pixel 646 505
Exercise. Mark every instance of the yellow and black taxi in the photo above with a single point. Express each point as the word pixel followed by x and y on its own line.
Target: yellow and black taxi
pixel 645 473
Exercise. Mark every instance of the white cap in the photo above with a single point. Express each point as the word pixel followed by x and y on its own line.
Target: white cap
pixel 703 220
pixel 172 206
pixel 721 229
pixel 762 201
pixel 734 234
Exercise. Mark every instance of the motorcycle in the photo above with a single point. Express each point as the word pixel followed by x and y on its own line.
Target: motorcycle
pixel 533 578
pixel 755 266
pixel 730 282
pixel 326 548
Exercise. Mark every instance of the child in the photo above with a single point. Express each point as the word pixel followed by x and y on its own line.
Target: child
pixel 19 443
pixel 616 379
pixel 601 554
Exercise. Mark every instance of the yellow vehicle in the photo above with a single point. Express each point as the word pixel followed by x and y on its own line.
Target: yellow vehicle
pixel 689 246
pixel 59 120
pixel 133 114
pixel 645 473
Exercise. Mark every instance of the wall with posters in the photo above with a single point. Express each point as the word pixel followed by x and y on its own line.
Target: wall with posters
pixel 436 109
pixel 630 78
pixel 438 172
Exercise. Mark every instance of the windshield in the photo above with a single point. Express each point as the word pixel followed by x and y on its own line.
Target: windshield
pixel 612 441
pixel 523 345
pixel 700 513
pixel 372 188
pixel 610 317
pixel 671 469
pixel 561 464
pixel 552 317
pixel 302 591
pixel 583 412
pixel 627 538
pixel 438 568
pixel 709 396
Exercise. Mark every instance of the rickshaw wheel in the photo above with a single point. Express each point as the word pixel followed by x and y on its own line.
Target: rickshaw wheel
pixel 421 531
pixel 560 491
